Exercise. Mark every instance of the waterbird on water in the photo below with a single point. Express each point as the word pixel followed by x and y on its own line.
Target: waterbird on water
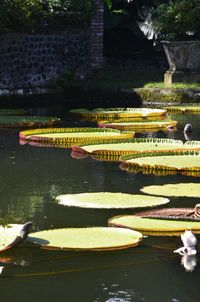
pixel 189 241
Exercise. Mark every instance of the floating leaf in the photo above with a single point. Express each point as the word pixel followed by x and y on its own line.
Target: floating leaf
pixel 156 227
pixel 90 238
pixel 179 189
pixel 118 112
pixel 134 146
pixel 108 200
pixel 195 108
pixel 56 136
pixel 188 214
pixel 139 126
pixel 179 162
pixel 11 111
pixel 27 121
pixel 13 234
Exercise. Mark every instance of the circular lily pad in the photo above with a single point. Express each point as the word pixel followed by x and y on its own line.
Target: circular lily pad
pixel 108 200
pixel 12 111
pixel 118 112
pixel 179 162
pixel 90 238
pixel 135 146
pixel 195 108
pixel 186 214
pixel 12 234
pixel 156 227
pixel 139 126
pixel 73 135
pixel 27 121
pixel 179 190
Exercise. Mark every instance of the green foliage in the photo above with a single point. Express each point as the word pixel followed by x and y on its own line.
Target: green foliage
pixel 37 15
pixel 179 19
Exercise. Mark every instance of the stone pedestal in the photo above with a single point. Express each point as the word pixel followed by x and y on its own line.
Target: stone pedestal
pixel 184 61
pixel 171 77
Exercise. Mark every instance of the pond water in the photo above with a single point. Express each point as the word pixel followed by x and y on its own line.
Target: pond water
pixel 31 177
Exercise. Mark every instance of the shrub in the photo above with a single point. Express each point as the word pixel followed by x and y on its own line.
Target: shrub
pixel 37 15
pixel 178 19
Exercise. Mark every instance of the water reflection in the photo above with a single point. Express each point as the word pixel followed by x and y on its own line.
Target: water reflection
pixel 189 262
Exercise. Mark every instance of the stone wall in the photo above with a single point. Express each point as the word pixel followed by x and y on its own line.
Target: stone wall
pixel 35 60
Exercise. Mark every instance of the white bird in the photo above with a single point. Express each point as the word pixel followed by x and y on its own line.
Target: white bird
pixel 189 241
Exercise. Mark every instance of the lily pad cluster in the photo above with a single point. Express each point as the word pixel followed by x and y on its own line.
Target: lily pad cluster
pixel 138 155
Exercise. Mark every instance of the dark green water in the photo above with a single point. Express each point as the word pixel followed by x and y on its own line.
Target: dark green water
pixel 30 178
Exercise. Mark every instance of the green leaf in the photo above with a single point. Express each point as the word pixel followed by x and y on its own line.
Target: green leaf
pixel 179 190
pixel 108 200
pixel 90 238
pixel 27 121
pixel 156 227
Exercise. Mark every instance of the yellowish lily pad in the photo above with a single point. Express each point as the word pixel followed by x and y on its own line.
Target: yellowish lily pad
pixel 139 126
pixel 136 146
pixel 108 200
pixel 195 108
pixel 152 226
pixel 179 190
pixel 56 136
pixel 180 162
pixel 90 238
pixel 118 112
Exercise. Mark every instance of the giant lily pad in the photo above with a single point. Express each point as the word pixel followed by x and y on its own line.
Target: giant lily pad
pixel 135 146
pixel 188 214
pixel 90 238
pixel 108 200
pixel 195 108
pixel 139 126
pixel 179 190
pixel 73 135
pixel 27 121
pixel 12 111
pixel 179 162
pixel 156 227
pixel 12 234
pixel 118 112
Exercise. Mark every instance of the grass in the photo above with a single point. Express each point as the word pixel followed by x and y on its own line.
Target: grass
pixel 175 85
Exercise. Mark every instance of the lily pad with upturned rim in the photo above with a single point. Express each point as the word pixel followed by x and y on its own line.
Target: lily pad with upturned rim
pixel 135 146
pixel 12 111
pixel 108 200
pixel 178 190
pixel 13 234
pixel 184 162
pixel 195 108
pixel 153 226
pixel 139 126
pixel 89 238
pixel 11 121
pixel 73 135
pixel 118 112
pixel 186 214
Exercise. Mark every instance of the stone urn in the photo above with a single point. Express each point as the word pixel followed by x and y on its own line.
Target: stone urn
pixel 184 61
